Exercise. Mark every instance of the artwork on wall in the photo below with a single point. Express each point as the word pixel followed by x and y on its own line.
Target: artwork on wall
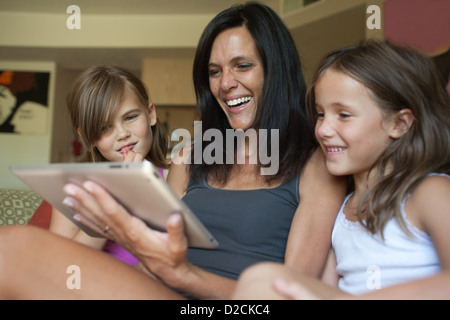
pixel 24 102
pixel 423 25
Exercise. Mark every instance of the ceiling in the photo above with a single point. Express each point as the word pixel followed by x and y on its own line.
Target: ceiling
pixel 130 58
pixel 317 34
pixel 124 6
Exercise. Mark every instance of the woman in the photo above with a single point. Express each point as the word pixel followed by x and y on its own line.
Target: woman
pixel 247 76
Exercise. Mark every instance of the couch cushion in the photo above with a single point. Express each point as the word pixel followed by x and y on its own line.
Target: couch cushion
pixel 17 206
pixel 42 217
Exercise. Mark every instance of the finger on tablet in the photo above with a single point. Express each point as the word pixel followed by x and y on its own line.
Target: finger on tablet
pixel 111 211
pixel 177 236
pixel 86 204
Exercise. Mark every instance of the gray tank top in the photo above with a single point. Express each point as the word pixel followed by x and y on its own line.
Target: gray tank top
pixel 250 225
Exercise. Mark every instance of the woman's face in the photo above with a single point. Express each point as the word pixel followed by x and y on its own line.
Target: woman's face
pixel 236 76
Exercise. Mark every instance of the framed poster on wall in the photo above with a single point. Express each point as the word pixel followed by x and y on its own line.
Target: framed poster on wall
pixel 24 101
pixel 26 115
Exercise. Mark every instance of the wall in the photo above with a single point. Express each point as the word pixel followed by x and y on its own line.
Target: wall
pixel 63 134
pixel 328 25
pixel 26 148
pixel 317 38
pixel 101 31
pixel 422 24
pixel 169 80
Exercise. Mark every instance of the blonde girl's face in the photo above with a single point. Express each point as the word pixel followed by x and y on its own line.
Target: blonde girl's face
pixel 129 130
pixel 350 127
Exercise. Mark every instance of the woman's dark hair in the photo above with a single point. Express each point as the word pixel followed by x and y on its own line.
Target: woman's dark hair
pixel 282 103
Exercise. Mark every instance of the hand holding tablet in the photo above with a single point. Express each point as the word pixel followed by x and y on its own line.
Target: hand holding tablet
pixel 138 187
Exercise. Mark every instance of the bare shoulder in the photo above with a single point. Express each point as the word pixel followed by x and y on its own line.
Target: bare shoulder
pixel 431 189
pixel 430 202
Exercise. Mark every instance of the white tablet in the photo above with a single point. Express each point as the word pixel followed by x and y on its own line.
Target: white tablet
pixel 139 187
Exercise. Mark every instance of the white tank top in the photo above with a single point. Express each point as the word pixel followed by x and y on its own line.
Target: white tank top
pixel 366 262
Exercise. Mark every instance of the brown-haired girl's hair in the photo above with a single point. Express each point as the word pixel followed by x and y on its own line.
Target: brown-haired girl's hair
pixel 93 102
pixel 397 78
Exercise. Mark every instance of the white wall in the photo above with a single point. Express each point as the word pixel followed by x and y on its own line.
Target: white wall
pixel 26 148
pixel 101 31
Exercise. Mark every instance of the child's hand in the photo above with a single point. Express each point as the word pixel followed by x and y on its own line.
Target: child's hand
pixel 131 156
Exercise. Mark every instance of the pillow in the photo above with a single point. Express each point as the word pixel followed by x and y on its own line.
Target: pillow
pixel 41 218
pixel 17 206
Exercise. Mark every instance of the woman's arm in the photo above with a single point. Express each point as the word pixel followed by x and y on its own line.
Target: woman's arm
pixel 163 253
pixel 321 196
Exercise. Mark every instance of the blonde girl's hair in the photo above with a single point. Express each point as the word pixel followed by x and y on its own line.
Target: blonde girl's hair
pixel 93 102
pixel 397 78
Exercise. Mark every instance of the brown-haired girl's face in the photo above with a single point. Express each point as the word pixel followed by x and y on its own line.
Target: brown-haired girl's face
pixel 350 127
pixel 130 129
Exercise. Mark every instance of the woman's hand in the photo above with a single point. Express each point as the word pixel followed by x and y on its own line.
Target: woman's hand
pixel 163 253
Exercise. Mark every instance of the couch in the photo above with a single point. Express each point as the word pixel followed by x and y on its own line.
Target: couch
pixel 22 207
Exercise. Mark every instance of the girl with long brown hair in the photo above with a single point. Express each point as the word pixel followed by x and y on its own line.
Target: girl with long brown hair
pixel 382 117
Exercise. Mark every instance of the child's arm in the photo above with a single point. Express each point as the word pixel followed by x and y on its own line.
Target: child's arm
pixel 432 201
pixel 62 226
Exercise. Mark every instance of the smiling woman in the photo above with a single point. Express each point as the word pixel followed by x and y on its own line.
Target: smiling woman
pixel 249 56
pixel 236 76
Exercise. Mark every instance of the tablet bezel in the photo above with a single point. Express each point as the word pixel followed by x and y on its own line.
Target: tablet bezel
pixel 139 187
